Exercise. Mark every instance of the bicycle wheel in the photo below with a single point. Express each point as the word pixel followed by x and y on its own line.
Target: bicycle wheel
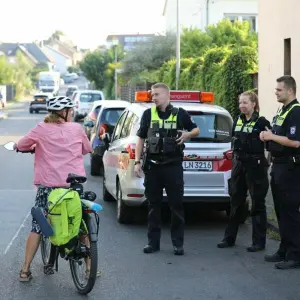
pixel 45 249
pixel 85 283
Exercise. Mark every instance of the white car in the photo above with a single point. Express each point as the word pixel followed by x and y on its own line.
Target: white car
pixel 207 158
pixel 84 100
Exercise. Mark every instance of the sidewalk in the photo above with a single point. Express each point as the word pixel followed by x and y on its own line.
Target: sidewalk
pixel 4 112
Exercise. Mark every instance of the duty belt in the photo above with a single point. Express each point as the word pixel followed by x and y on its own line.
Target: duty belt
pixel 248 157
pixel 286 159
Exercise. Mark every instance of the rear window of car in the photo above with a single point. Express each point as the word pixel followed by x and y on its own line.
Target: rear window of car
pixel 40 98
pixel 90 97
pixel 214 128
pixel 111 115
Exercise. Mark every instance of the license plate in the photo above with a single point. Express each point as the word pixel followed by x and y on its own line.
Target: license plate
pixel 197 165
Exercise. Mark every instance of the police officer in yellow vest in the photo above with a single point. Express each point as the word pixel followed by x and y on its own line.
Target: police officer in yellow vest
pixel 283 142
pixel 162 128
pixel 249 172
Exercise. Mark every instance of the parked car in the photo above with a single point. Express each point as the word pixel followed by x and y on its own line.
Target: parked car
pixel 39 102
pixel 92 117
pixel 84 100
pixel 71 89
pixel 107 118
pixel 207 158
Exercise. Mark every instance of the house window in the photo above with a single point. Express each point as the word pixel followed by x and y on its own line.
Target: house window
pixel 252 19
pixel 287 57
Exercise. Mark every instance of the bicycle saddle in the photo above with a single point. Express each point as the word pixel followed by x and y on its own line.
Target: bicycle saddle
pixel 73 178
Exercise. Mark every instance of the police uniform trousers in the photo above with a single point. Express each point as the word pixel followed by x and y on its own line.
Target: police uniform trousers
pixel 251 176
pixel 285 186
pixel 170 177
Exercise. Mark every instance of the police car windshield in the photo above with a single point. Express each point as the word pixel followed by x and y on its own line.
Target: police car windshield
pixel 213 127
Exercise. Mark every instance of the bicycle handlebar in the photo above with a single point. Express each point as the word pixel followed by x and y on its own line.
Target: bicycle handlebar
pixel 29 151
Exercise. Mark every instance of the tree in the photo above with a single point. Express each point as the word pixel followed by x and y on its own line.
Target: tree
pixel 55 35
pixel 99 67
pixel 21 75
pixel 94 66
pixel 195 43
pixel 148 56
pixel 6 71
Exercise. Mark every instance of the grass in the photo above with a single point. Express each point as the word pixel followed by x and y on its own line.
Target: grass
pixel 273 235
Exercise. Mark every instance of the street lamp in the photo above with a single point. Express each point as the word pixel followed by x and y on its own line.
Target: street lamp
pixel 178 47
pixel 115 43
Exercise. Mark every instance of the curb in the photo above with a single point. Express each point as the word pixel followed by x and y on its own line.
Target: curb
pixel 3 116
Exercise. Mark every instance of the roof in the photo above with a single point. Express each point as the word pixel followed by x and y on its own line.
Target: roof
pixel 113 103
pixel 206 108
pixel 112 36
pixel 57 51
pixel 89 91
pixel 64 45
pixel 37 53
pixel 11 49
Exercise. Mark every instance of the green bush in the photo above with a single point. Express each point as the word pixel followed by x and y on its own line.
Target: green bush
pixel 236 76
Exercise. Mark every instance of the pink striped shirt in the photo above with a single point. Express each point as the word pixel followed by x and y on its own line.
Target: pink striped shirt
pixel 59 151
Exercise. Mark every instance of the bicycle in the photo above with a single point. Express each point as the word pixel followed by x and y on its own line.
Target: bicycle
pixel 89 229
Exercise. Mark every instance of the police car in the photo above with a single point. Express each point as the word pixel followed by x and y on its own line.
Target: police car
pixel 207 158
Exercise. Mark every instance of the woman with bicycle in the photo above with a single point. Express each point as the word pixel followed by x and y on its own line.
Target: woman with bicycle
pixel 59 146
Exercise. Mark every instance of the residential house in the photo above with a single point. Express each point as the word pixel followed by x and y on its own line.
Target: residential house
pixel 127 41
pixel 61 61
pixel 32 51
pixel 201 13
pixel 74 53
pixel 279 49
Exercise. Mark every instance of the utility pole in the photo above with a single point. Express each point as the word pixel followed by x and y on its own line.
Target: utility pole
pixel 178 46
pixel 115 43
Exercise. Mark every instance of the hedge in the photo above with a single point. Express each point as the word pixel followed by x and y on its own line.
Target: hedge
pixel 222 70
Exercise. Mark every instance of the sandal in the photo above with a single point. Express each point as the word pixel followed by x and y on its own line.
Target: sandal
pixel 25 276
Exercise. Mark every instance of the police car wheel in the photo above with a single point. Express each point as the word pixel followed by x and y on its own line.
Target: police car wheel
pixel 124 212
pixel 107 197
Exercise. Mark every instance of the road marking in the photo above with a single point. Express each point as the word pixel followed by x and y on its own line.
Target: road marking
pixel 14 190
pixel 17 233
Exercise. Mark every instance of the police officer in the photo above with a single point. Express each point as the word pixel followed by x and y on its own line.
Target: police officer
pixel 283 144
pixel 162 128
pixel 249 172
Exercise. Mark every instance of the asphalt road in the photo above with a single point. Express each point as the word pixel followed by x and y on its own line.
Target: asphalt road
pixel 204 273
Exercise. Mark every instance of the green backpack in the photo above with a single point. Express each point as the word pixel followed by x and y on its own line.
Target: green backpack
pixel 65 215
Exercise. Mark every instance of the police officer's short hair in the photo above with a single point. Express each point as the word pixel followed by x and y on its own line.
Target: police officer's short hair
pixel 289 82
pixel 160 85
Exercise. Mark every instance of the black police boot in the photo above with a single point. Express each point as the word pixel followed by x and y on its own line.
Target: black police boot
pixel 225 244
pixel 150 249
pixel 178 250
pixel 255 248
pixel 276 257
pixel 288 264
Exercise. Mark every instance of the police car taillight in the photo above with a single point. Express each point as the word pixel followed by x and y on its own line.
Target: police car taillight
pixel 228 154
pixel 188 96
pixel 130 149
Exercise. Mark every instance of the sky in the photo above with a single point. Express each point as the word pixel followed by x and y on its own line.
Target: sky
pixel 86 22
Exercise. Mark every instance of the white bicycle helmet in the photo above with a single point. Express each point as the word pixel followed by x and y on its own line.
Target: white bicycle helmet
pixel 59 103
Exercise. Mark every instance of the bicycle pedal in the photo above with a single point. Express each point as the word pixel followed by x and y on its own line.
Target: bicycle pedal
pixel 48 270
